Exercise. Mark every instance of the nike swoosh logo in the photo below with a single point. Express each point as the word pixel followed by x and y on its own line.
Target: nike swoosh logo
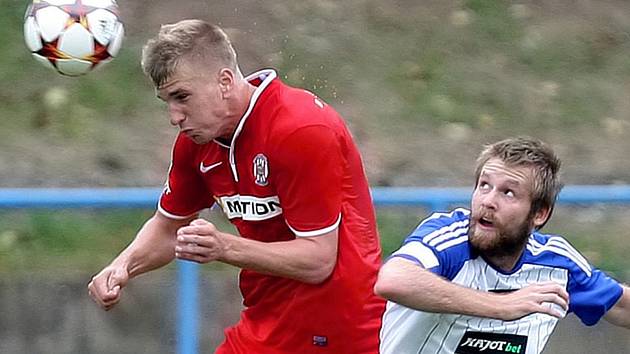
pixel 205 169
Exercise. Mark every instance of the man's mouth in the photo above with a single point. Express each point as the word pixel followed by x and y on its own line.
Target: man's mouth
pixel 189 133
pixel 486 222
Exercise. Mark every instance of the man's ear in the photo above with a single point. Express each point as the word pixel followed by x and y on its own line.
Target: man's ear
pixel 541 217
pixel 226 82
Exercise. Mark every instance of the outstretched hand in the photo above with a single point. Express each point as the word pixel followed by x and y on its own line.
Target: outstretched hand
pixel 200 242
pixel 549 298
pixel 105 287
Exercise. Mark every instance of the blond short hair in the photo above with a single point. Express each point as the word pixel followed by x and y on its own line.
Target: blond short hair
pixel 526 151
pixel 194 40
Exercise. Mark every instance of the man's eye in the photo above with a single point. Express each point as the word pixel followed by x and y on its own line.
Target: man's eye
pixel 484 185
pixel 509 193
pixel 181 97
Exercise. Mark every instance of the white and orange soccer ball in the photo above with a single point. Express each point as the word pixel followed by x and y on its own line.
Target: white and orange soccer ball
pixel 73 36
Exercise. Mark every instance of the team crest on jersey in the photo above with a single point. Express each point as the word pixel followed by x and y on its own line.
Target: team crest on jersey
pixel 261 170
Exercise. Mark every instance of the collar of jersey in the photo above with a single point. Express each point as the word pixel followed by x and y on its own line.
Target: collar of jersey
pixel 265 76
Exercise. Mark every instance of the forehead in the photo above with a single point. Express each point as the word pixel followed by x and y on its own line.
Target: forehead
pixel 182 71
pixel 497 169
pixel 182 77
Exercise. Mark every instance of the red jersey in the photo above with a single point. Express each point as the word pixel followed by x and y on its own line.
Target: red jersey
pixel 291 170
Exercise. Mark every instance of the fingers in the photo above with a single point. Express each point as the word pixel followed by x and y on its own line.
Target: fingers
pixel 554 293
pixel 551 304
pixel 185 249
pixel 197 242
pixel 197 227
pixel 557 300
pixel 105 289
pixel 193 257
pixel 199 222
pixel 115 280
pixel 200 242
pixel 551 298
pixel 198 249
pixel 549 308
pixel 552 287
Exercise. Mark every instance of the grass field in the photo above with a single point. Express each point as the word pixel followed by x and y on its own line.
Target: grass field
pixel 69 241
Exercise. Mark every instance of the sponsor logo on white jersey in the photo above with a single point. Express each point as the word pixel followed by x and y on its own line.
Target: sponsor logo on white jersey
pixel 249 207
pixel 491 343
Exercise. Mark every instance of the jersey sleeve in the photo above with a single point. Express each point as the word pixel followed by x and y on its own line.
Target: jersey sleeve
pixel 591 296
pixel 308 173
pixel 439 243
pixel 184 193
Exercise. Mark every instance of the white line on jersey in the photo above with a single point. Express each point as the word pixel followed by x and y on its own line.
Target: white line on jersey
pixel 562 247
pixel 445 233
pixel 448 215
pixel 452 243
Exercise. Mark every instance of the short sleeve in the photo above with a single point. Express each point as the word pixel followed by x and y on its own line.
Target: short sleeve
pixel 590 297
pixel 439 243
pixel 184 192
pixel 309 165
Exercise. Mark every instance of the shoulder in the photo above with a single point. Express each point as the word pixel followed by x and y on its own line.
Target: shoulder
pixel 439 240
pixel 556 251
pixel 294 98
pixel 299 119
pixel 440 225
pixel 296 108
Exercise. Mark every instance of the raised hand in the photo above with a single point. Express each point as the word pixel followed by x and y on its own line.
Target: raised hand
pixel 548 298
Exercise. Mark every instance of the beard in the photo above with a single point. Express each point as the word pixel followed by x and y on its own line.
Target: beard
pixel 504 241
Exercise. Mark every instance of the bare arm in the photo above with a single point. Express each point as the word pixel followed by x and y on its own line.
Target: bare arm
pixel 409 284
pixel 307 259
pixel 153 247
pixel 619 314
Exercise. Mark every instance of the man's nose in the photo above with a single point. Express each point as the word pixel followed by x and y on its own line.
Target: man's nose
pixel 489 200
pixel 176 115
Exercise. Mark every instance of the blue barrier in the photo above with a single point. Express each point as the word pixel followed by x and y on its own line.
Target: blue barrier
pixel 12 198
pixel 188 328
pixel 187 307
pixel 57 198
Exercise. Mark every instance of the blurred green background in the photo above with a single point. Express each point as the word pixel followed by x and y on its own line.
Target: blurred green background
pixel 423 85
pixel 75 242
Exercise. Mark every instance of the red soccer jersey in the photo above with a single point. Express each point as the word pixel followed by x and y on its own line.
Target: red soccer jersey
pixel 291 170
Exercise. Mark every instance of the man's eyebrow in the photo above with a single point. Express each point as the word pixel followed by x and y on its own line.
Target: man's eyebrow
pixel 510 182
pixel 175 92
pixel 513 183
pixel 170 94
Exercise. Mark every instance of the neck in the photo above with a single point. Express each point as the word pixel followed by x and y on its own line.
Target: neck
pixel 506 260
pixel 504 263
pixel 241 100
pixel 243 97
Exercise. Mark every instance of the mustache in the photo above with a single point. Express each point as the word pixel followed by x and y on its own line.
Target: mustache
pixel 479 214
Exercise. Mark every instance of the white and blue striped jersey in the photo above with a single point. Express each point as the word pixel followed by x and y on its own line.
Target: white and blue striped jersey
pixel 440 244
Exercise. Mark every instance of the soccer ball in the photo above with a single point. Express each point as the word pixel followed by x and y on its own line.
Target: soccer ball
pixel 73 36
